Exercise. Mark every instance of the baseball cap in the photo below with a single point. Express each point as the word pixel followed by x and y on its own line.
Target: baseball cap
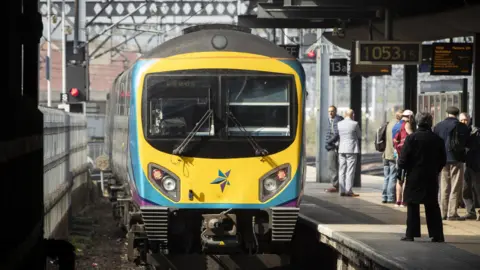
pixel 407 113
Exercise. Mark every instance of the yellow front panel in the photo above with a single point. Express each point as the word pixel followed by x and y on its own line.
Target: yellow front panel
pixel 198 173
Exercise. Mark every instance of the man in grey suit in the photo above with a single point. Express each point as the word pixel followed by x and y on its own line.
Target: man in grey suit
pixel 350 134
pixel 331 145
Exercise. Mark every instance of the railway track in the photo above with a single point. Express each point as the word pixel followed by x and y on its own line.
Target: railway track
pixel 219 262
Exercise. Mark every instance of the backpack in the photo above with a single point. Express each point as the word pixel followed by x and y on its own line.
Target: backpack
pixel 381 138
pixel 457 143
pixel 399 139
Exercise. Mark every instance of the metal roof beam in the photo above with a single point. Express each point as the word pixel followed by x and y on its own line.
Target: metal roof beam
pixel 269 11
pixel 59 11
pixel 98 14
pixel 251 21
pixel 337 3
pixel 118 22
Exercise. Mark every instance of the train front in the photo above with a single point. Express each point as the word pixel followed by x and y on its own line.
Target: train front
pixel 216 145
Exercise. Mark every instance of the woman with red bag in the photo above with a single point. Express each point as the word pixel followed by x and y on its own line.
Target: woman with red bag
pixel 407 127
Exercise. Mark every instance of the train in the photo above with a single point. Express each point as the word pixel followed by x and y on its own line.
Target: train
pixel 206 144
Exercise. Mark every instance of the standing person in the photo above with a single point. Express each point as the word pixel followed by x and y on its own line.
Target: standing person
pixel 422 157
pixel 331 146
pixel 396 128
pixel 471 182
pixel 454 132
pixel 407 126
pixel 389 162
pixel 350 134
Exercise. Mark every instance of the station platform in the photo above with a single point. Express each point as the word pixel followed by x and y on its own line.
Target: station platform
pixel 368 232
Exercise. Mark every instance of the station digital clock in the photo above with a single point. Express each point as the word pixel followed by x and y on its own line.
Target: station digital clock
pixel 388 53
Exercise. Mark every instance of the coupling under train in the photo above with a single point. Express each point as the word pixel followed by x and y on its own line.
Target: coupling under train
pixel 205 136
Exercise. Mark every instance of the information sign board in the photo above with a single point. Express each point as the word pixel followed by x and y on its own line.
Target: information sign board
pixel 338 67
pixel 454 59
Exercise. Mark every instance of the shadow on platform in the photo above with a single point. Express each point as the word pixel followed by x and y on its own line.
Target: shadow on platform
pixel 372 230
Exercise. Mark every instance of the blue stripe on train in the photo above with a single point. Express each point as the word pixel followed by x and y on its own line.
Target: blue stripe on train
pixel 297 66
pixel 150 195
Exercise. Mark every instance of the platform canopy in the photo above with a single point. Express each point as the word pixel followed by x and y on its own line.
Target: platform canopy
pixel 413 20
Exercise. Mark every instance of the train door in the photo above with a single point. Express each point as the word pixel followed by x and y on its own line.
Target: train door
pixel 436 96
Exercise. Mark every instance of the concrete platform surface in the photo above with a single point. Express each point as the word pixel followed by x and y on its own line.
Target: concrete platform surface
pixel 365 224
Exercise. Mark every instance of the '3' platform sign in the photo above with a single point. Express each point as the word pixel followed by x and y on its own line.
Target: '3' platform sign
pixel 338 67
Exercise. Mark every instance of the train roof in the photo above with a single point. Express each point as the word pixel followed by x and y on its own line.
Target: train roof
pixel 213 38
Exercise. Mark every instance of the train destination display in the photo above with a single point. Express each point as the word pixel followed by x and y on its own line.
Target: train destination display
pixel 454 59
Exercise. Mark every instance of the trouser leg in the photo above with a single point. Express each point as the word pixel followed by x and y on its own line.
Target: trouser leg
pixel 467 191
pixel 445 188
pixel 342 172
pixel 386 180
pixel 392 181
pixel 456 176
pixel 434 221
pixel 476 188
pixel 350 175
pixel 332 157
pixel 413 220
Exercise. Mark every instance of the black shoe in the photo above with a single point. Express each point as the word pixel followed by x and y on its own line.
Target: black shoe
pixel 405 238
pixel 470 217
pixel 438 240
pixel 342 194
pixel 456 218
pixel 384 202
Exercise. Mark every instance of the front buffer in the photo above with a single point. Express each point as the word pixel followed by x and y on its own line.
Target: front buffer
pixel 229 231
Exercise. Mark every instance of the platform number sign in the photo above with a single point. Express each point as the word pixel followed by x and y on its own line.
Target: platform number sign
pixel 64 97
pixel 338 67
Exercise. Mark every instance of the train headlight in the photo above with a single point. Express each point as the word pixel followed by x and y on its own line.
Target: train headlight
pixel 270 184
pixel 166 181
pixel 273 181
pixel 169 183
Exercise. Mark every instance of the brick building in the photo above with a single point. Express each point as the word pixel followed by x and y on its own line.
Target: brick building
pixel 103 71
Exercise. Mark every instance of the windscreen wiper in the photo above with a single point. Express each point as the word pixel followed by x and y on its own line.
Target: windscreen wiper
pixel 259 151
pixel 179 150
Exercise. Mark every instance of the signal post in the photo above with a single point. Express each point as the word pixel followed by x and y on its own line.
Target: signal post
pixel 75 97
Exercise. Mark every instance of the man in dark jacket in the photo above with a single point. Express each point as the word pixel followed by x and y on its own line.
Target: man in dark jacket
pixel 471 184
pixel 423 156
pixel 452 174
pixel 331 145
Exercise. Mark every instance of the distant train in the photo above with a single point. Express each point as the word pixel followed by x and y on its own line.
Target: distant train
pixel 206 141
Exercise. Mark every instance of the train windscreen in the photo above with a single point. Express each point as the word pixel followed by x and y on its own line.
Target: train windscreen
pixel 261 104
pixel 238 104
pixel 175 104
